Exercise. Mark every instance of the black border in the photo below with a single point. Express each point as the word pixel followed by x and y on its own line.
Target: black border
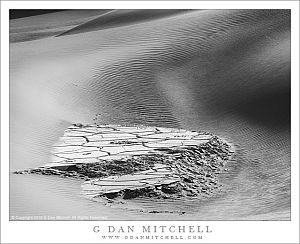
pixel 157 219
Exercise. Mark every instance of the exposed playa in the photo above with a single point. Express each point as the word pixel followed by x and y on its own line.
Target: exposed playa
pixel 139 162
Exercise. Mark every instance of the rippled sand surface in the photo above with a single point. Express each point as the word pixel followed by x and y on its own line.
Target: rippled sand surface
pixel 222 71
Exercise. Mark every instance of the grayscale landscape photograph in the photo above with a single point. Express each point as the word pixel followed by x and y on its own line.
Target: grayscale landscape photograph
pixel 150 114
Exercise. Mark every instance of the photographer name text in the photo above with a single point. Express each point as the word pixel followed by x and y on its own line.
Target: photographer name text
pixel 152 229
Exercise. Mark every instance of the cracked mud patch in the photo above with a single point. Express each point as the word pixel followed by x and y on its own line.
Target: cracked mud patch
pixel 123 163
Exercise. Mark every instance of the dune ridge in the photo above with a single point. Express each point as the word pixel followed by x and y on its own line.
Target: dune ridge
pixel 118 18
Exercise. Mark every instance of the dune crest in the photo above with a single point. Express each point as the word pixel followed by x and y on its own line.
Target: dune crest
pixel 123 17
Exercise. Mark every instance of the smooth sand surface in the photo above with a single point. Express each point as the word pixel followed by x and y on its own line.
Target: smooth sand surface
pixel 222 71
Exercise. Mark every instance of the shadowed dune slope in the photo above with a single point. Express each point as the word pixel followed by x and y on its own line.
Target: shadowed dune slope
pixel 222 71
pixel 46 25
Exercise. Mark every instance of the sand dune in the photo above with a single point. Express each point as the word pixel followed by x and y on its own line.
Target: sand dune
pixel 222 71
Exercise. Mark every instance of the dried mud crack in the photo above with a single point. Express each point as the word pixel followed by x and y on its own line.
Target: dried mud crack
pixel 122 163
